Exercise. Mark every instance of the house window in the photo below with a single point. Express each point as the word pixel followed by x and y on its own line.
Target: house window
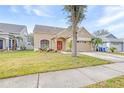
pixel 44 44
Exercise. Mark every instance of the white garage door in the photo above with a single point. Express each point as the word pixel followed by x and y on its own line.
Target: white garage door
pixel 118 46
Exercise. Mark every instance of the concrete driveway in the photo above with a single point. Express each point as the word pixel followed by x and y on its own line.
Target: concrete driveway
pixel 105 56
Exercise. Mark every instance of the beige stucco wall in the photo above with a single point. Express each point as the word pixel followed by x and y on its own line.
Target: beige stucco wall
pixel 83 34
pixel 67 48
pixel 38 37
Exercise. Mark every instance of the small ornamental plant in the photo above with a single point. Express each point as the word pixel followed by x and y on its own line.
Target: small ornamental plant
pixel 112 49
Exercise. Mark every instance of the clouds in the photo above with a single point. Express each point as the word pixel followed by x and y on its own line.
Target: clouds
pixel 111 14
pixel 110 18
pixel 43 11
pixel 113 19
pixel 14 9
pixel 116 27
pixel 38 10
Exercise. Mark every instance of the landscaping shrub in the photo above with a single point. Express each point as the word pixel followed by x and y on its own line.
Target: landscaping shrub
pixel 112 49
pixel 47 50
pixel 23 48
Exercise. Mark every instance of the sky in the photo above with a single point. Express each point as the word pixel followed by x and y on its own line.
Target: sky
pixel 97 17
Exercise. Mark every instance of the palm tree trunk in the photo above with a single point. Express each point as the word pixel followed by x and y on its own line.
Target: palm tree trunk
pixel 74 40
pixel 74 32
pixel 14 45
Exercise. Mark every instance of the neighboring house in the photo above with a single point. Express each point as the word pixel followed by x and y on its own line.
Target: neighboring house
pixel 59 38
pixel 30 43
pixel 110 40
pixel 6 42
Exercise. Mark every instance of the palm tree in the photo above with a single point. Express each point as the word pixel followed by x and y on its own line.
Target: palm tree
pixel 76 13
pixel 96 42
pixel 14 38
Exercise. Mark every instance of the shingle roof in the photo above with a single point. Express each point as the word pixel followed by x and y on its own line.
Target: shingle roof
pixel 11 28
pixel 110 38
pixel 107 36
pixel 47 29
pixel 67 33
pixel 58 32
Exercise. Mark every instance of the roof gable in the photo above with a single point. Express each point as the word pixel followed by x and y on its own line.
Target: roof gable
pixel 111 36
pixel 60 32
pixel 65 34
pixel 84 33
pixel 11 28
pixel 108 36
pixel 47 29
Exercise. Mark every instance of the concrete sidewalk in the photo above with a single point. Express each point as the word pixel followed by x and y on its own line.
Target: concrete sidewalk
pixel 72 78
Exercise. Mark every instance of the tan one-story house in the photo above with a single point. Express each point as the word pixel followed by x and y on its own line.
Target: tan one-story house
pixel 60 38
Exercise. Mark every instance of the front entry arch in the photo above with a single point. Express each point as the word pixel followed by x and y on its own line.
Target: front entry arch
pixel 59 45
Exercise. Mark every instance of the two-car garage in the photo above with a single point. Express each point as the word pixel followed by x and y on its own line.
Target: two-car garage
pixel 84 46
pixel 118 45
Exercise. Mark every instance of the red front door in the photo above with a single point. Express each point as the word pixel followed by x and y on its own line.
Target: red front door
pixel 59 45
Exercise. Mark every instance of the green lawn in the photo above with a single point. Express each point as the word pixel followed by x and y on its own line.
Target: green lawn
pixel 28 62
pixel 111 83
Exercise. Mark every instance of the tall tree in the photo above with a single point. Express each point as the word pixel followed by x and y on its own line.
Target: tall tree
pixel 76 13
pixel 101 32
